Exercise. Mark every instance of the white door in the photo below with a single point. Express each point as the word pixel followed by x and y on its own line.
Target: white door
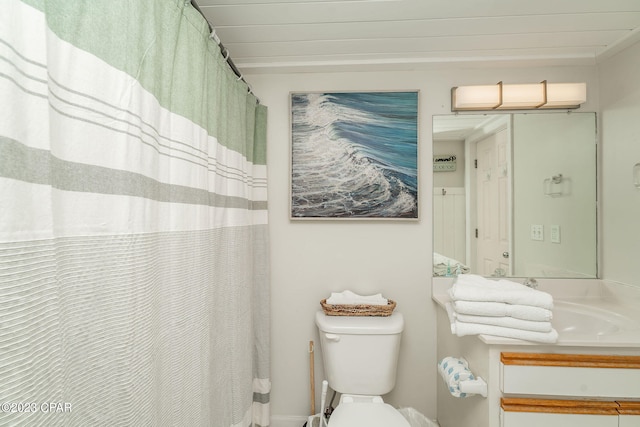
pixel 492 178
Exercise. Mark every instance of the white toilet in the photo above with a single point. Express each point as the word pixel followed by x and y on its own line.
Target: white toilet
pixel 360 357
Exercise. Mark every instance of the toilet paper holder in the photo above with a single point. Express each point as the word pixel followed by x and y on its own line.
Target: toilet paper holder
pixel 459 379
pixel 477 386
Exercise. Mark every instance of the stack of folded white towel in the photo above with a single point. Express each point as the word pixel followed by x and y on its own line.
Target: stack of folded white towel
pixel 500 308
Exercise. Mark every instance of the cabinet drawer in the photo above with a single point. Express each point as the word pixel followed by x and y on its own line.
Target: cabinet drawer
pixel 611 377
pixel 515 412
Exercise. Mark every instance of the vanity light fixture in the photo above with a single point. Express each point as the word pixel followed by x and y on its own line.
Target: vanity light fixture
pixel 532 96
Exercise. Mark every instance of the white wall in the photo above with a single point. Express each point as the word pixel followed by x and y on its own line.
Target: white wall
pixel 310 259
pixel 544 146
pixel 620 135
pixel 450 178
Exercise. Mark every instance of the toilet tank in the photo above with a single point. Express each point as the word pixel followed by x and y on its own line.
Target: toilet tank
pixel 360 353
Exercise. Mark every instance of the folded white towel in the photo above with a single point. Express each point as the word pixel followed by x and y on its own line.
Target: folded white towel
pixel 504 321
pixel 453 371
pixel 470 287
pixel 442 263
pixel 461 329
pixel 441 259
pixel 351 298
pixel 499 309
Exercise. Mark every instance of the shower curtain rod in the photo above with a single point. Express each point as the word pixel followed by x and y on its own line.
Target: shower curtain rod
pixel 224 50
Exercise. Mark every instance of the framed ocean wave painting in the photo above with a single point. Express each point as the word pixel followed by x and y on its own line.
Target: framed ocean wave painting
pixel 354 155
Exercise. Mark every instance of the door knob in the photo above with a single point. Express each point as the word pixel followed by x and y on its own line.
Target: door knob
pixel 505 254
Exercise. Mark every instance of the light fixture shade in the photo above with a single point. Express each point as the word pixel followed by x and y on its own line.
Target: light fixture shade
pixel 518 96
pixel 565 95
pixel 484 97
pixel 515 97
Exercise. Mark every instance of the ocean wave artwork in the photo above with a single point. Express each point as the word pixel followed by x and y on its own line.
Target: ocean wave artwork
pixel 354 155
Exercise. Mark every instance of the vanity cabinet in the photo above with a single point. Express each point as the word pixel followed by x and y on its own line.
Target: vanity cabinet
pixel 569 383
pixel 516 371
pixel 586 379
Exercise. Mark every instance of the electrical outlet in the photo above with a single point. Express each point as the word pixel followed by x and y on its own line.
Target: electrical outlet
pixel 555 234
pixel 537 232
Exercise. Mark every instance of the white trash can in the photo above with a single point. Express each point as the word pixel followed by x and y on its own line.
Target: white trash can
pixel 416 419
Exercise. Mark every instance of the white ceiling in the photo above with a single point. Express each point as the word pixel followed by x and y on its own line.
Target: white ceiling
pixel 312 35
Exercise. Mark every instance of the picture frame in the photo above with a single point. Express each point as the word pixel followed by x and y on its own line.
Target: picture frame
pixel 444 162
pixel 354 155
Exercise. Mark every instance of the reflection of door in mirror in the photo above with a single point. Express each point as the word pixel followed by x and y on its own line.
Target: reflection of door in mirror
pixel 492 177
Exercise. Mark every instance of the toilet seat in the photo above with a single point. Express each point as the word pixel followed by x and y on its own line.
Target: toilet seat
pixel 366 414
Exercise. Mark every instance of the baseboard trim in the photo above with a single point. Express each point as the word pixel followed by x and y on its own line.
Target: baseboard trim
pixel 288 420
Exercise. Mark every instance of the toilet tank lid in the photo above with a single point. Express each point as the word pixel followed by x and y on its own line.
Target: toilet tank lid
pixel 360 325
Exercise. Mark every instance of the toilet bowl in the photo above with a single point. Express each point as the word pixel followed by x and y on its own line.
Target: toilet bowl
pixel 360 358
pixel 373 413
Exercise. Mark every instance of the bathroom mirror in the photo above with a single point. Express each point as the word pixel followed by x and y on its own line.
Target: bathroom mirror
pixel 515 194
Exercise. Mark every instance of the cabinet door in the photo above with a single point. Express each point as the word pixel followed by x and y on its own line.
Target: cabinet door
pixel 629 414
pixel 537 419
pixel 526 412
pixel 629 421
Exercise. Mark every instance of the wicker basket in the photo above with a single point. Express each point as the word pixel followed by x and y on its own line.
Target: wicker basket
pixel 358 309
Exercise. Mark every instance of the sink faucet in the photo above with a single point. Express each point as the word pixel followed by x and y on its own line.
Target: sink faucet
pixel 531 282
pixel 499 272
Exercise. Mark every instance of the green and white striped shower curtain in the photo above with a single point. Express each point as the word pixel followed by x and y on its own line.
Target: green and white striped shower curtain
pixel 134 282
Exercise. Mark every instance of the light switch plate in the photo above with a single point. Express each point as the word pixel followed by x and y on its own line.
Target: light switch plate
pixel 537 232
pixel 555 234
